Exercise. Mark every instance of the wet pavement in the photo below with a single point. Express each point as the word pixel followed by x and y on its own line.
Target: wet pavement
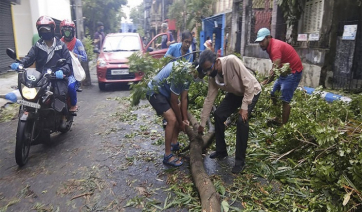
pixel 111 158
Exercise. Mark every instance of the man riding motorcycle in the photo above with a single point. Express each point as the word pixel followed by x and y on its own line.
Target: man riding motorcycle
pixel 46 52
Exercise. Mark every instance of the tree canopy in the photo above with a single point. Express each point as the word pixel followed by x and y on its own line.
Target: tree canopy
pixel 188 13
pixel 107 11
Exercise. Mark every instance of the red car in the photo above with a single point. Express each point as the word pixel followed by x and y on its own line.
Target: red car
pixel 112 61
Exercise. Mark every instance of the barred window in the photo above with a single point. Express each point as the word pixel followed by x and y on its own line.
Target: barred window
pixel 312 17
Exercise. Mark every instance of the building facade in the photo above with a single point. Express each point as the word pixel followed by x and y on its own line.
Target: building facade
pixel 27 13
pixel 330 58
pixel 156 13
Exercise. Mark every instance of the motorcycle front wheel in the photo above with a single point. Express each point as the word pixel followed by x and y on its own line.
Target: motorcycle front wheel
pixel 23 141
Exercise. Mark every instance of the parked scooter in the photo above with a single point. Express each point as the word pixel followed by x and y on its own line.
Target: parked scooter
pixel 40 112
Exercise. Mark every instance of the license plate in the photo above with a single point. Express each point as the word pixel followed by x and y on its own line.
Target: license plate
pixel 119 71
pixel 29 104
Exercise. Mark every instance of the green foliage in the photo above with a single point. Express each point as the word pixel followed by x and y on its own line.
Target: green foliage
pixel 150 67
pixel 284 70
pixel 188 13
pixel 312 163
pixel 88 45
pixel 137 16
pixel 106 11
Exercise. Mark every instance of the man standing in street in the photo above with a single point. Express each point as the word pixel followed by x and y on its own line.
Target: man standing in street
pixel 165 42
pixel 281 53
pixel 179 49
pixel 229 74
pixel 98 37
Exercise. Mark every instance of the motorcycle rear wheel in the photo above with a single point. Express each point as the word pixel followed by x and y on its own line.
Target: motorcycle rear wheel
pixel 23 142
pixel 68 124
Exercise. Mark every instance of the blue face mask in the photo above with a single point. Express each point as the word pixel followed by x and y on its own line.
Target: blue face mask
pixel 47 35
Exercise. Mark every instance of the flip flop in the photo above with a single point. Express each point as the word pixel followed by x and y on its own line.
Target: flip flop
pixel 172 162
pixel 76 109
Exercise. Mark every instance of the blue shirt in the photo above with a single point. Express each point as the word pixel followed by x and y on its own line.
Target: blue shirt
pixel 165 88
pixel 175 51
pixel 80 51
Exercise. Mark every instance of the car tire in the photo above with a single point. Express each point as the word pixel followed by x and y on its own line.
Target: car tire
pixel 102 86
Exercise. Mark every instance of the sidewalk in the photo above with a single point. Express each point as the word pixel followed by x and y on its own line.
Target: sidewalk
pixel 8 81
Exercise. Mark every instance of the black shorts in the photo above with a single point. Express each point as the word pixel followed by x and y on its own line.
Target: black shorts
pixel 159 102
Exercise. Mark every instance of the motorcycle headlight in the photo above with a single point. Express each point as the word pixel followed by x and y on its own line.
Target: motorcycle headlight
pixel 29 93
pixel 101 63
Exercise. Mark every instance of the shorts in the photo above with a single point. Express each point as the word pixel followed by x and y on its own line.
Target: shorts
pixel 287 85
pixel 159 102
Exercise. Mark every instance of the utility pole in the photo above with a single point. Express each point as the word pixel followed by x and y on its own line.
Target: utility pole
pixel 79 19
pixel 163 11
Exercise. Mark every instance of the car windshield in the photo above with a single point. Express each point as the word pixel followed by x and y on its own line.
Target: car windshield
pixel 121 43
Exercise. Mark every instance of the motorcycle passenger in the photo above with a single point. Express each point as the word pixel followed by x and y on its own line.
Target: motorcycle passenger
pixel 67 28
pixel 46 52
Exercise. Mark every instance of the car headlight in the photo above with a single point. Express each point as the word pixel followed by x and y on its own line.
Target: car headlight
pixel 29 93
pixel 101 63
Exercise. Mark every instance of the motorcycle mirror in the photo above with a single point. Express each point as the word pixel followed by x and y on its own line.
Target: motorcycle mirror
pixel 61 62
pixel 11 53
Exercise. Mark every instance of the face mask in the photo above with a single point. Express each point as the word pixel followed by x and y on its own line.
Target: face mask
pixel 67 33
pixel 213 73
pixel 47 35
pixel 101 30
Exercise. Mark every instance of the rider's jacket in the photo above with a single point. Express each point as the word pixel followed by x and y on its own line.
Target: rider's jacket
pixel 46 57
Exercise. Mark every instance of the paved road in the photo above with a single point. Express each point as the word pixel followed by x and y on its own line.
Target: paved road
pixel 100 163
pixel 111 157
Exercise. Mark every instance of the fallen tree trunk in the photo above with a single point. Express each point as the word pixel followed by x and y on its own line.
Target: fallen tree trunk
pixel 210 199
pixel 206 139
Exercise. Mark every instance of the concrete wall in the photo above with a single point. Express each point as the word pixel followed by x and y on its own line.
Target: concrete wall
pixel 23 26
pixel 27 13
pixel 311 73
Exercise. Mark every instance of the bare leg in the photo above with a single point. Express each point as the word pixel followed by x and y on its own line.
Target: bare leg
pixel 286 112
pixel 170 117
pixel 176 131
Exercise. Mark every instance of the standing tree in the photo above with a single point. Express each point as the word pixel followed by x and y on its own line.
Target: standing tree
pixel 106 11
pixel 137 16
pixel 189 13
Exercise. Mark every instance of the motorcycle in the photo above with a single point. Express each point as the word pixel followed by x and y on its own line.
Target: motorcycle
pixel 40 112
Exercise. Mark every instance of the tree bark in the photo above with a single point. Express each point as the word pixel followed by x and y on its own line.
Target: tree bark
pixel 87 81
pixel 210 199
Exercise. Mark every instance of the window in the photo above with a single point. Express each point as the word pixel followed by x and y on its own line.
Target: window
pixel 121 43
pixel 312 17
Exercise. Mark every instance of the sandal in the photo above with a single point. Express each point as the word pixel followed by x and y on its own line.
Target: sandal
pixel 175 147
pixel 166 161
pixel 76 109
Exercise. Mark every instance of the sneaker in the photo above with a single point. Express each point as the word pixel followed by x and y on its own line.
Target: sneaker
pixel 219 155
pixel 237 169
